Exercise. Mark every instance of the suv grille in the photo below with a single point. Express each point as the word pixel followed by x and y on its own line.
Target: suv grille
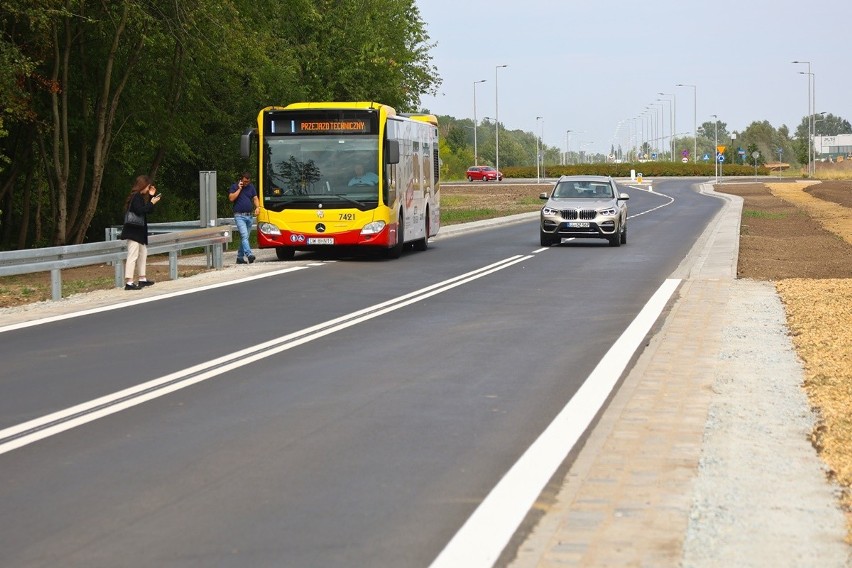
pixel 584 214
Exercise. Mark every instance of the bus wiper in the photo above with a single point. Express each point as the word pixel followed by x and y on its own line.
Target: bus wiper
pixel 358 204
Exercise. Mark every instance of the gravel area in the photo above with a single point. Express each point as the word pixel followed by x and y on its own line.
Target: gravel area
pixel 761 496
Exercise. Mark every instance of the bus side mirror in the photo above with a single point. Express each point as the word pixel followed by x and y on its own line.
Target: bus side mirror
pixel 245 143
pixel 392 151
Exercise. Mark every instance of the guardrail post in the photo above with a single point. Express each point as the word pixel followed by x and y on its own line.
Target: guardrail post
pixel 119 273
pixel 56 284
pixel 173 265
pixel 217 256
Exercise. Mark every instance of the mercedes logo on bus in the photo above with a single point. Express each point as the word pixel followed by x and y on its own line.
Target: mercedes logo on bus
pixel 320 227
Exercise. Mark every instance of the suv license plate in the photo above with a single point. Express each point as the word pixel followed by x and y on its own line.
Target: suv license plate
pixel 578 225
pixel 320 241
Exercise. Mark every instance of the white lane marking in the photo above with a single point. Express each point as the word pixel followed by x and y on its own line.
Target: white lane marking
pixel 482 538
pixel 54 423
pixel 669 197
pixel 136 302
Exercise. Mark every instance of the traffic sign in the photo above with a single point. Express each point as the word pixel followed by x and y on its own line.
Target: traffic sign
pixel 706 157
pixel 685 153
pixel 684 159
pixel 721 149
pixel 720 158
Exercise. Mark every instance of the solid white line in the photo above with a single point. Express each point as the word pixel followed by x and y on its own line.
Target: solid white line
pixel 136 302
pixel 60 421
pixel 482 538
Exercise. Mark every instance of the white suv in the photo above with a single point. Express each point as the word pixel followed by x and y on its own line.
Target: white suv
pixel 584 207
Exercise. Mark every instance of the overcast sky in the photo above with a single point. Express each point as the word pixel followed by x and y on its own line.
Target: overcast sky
pixel 588 66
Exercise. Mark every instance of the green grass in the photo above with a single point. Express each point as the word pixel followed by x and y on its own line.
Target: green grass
pixel 450 217
pixel 534 202
pixel 748 213
pixel 77 286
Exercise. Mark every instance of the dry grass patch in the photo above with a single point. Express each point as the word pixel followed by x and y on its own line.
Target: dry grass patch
pixel 819 316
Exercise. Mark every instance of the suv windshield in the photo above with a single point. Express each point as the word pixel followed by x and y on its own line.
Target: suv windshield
pixel 582 190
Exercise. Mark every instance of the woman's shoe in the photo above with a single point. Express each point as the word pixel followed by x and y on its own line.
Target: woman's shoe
pixel 143 283
pixel 132 286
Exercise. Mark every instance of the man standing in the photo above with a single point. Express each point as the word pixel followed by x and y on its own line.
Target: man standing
pixel 243 195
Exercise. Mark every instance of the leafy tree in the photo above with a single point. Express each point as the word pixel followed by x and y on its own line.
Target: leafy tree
pixel 108 90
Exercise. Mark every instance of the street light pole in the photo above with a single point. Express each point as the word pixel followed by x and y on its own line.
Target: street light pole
pixel 538 154
pixel 694 119
pixel 715 146
pixel 810 108
pixel 672 120
pixel 541 138
pixel 497 122
pixel 567 145
pixel 821 119
pixel 662 120
pixel 475 149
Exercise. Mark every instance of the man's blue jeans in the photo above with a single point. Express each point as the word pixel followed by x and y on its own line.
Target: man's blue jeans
pixel 243 222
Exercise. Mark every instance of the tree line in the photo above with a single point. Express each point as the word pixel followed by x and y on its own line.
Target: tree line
pixel 93 94
pixel 518 149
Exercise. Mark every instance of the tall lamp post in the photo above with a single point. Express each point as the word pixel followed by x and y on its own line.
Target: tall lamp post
pixel 541 139
pixel 672 121
pixel 652 128
pixel 694 119
pixel 715 146
pixel 810 107
pixel 567 145
pixel 475 151
pixel 821 118
pixel 538 154
pixel 661 132
pixel 497 121
pixel 811 120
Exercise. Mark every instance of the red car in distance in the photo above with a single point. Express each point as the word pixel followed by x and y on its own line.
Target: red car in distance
pixel 483 173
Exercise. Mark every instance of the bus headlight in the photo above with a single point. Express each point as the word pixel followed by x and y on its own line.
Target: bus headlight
pixel 268 229
pixel 373 228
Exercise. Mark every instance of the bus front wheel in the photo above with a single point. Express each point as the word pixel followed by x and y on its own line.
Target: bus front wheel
pixel 285 253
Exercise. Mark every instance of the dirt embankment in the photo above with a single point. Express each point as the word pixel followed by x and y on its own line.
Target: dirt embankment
pixel 799 235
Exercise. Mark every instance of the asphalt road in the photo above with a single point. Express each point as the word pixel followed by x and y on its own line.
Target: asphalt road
pixel 390 399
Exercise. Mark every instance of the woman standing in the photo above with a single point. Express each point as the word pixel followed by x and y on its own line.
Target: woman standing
pixel 141 201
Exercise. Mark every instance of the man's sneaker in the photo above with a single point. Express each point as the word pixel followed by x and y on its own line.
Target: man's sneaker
pixel 241 261
pixel 251 258
pixel 132 286
pixel 143 283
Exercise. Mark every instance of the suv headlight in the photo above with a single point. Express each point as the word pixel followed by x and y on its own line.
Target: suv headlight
pixel 550 211
pixel 610 212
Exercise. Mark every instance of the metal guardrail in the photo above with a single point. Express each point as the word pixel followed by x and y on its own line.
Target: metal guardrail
pixel 54 259
pixel 114 233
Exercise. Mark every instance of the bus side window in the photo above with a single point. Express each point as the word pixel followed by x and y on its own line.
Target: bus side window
pixel 392 151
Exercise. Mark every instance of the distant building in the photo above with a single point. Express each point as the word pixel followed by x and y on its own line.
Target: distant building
pixel 833 146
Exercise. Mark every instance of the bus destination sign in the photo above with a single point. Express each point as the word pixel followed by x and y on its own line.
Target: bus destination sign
pixel 333 126
pixel 319 123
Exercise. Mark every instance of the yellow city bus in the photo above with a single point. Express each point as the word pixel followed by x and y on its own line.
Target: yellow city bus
pixel 349 174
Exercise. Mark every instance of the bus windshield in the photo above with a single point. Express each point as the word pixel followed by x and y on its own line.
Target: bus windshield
pixel 320 170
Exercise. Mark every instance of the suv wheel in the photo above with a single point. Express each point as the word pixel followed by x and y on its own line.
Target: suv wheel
pixel 624 235
pixel 546 239
pixel 615 239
